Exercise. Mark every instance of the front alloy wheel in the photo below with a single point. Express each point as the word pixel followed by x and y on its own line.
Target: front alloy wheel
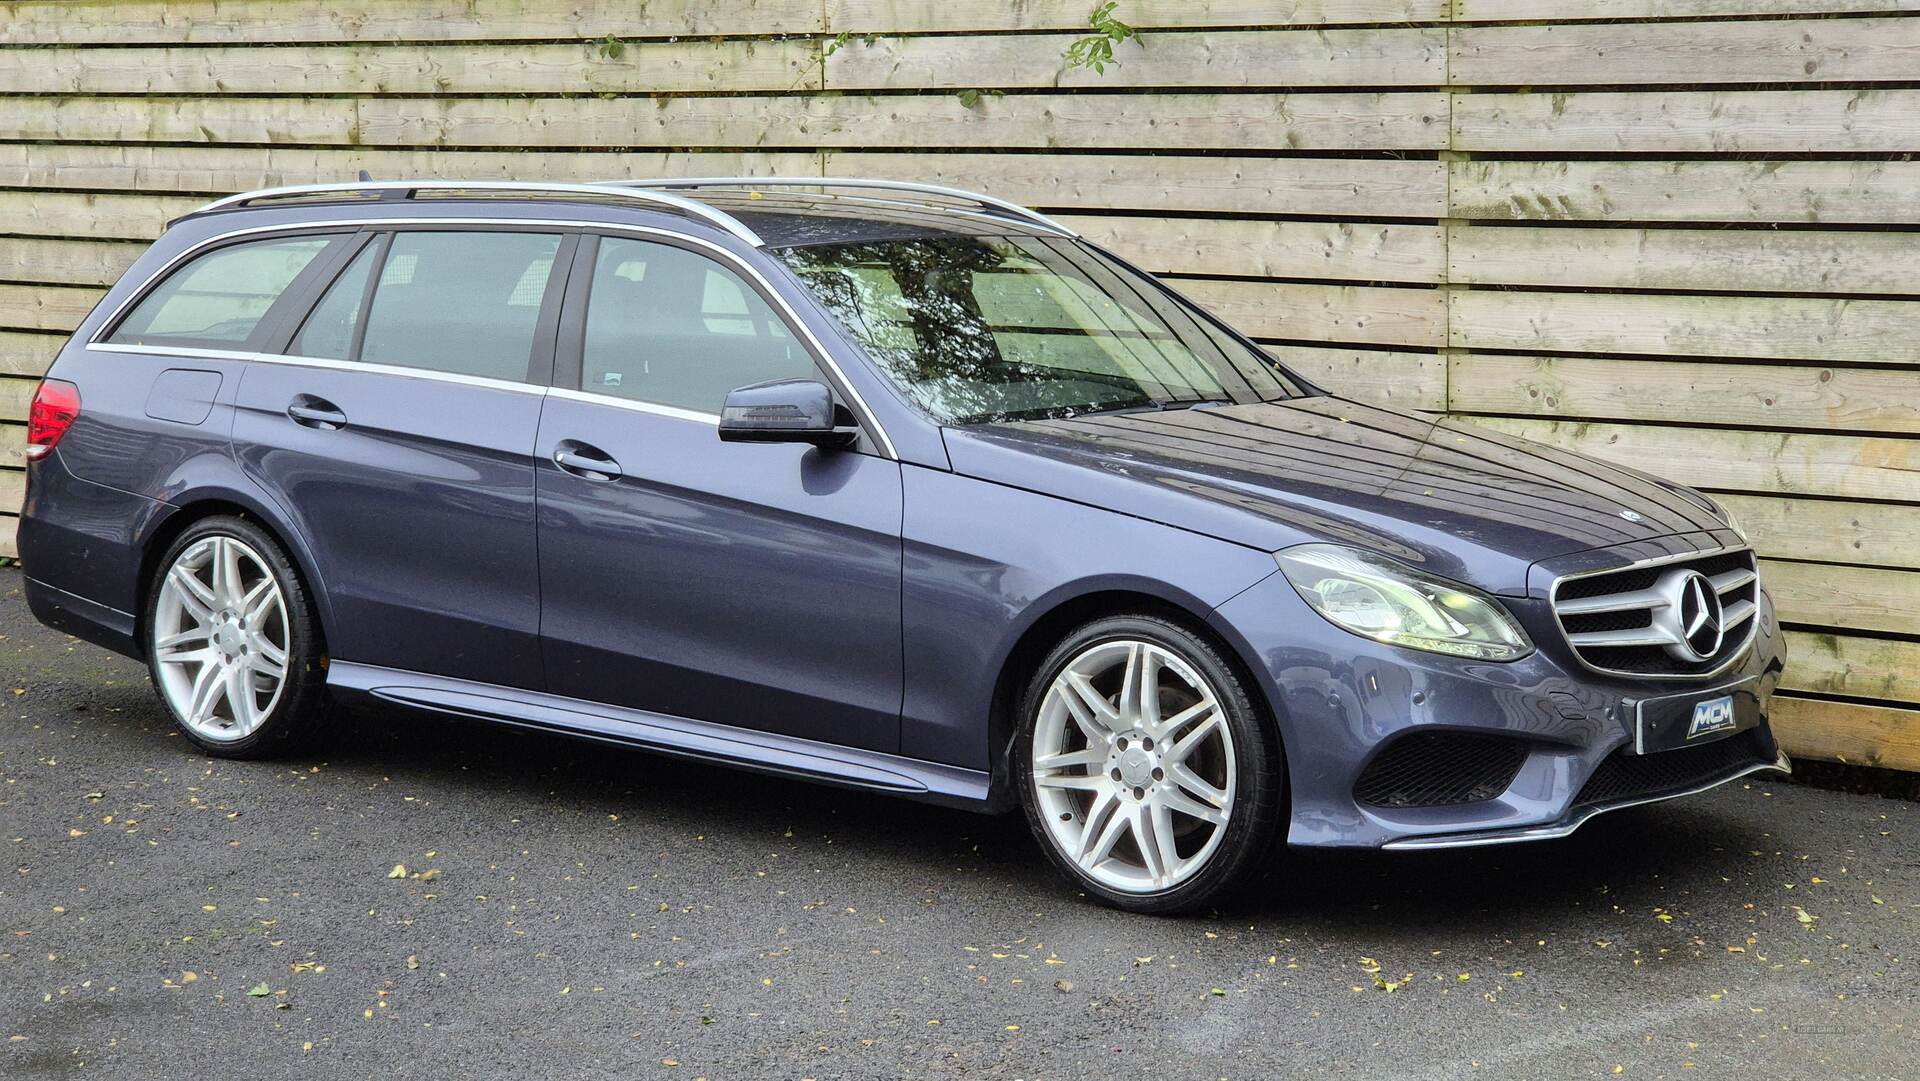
pixel 1147 771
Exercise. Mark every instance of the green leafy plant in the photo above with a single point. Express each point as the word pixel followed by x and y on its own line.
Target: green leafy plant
pixel 839 42
pixel 1096 50
pixel 612 48
pixel 971 98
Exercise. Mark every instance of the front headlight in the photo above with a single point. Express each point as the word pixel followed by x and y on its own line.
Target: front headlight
pixel 1377 598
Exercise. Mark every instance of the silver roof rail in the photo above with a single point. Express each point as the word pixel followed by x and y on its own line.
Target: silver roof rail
pixel 691 207
pixel 1014 210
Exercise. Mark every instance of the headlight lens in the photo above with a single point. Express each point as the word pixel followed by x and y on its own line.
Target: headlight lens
pixel 1377 598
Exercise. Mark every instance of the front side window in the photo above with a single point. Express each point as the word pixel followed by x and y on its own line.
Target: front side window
pixel 218 300
pixel 673 328
pixel 979 329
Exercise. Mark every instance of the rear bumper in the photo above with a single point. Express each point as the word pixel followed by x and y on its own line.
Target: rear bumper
pixel 81 548
pixel 86 620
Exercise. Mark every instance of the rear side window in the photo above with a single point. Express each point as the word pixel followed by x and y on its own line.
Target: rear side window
pixel 460 302
pixel 466 303
pixel 673 328
pixel 218 300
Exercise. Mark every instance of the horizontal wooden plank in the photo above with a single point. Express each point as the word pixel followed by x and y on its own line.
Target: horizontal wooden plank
pixel 1829 530
pixel 13 446
pixel 1841 466
pixel 899 16
pixel 1290 185
pixel 1325 313
pixel 45 307
pixel 1769 328
pixel 1883 668
pixel 15 393
pixel 1396 380
pixel 1856 598
pixel 1549 10
pixel 1394 56
pixel 127 22
pixel 1686 54
pixel 1859 735
pixel 96 216
pixel 1732 260
pixel 23 354
pixel 9 546
pixel 66 261
pixel 1356 251
pixel 1351 121
pixel 1724 122
pixel 656 67
pixel 1825 192
pixel 1751 395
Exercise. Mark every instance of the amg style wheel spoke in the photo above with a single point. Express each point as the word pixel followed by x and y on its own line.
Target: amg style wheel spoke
pixel 1133 766
pixel 220 638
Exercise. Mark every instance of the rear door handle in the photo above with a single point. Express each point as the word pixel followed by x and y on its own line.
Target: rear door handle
pixel 313 412
pixel 586 461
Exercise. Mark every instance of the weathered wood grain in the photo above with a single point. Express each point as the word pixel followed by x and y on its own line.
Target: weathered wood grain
pixel 1344 121
pixel 15 394
pixel 23 354
pixel 1752 395
pixel 1722 122
pixel 1829 530
pixel 1854 598
pixel 1394 56
pixel 1731 260
pixel 1686 54
pixel 1357 251
pixel 1548 10
pixel 588 67
pixel 45 307
pixel 1325 313
pixel 66 261
pixel 900 16
pixel 1769 328
pixel 1860 735
pixel 1820 192
pixel 1882 668
pixel 1786 463
pixel 84 214
pixel 1388 378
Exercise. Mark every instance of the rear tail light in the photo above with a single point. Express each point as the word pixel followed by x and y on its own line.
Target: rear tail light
pixel 56 405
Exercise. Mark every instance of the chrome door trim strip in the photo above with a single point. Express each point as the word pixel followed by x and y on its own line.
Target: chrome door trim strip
pixel 796 325
pixel 1547 833
pixel 637 406
pixel 329 364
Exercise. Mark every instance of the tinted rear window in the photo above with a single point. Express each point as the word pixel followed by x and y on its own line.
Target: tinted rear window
pixel 217 300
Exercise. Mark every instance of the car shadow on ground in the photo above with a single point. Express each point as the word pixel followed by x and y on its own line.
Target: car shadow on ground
pixel 1639 856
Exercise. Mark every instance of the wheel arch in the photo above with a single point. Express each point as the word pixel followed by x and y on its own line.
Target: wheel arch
pixel 199 505
pixel 1055 618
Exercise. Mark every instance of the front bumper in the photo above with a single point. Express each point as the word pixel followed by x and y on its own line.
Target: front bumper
pixel 1340 700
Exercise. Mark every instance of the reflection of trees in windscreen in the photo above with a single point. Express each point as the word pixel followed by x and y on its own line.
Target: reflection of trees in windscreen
pixel 987 328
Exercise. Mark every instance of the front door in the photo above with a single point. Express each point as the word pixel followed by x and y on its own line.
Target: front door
pixel 742 584
pixel 398 433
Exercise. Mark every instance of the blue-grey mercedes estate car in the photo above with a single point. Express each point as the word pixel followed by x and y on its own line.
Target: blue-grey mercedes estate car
pixel 886 485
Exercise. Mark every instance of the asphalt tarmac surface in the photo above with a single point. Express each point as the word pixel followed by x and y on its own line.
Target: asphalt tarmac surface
pixel 429 898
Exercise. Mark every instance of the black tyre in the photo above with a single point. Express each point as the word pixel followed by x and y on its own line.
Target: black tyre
pixel 1147 772
pixel 233 646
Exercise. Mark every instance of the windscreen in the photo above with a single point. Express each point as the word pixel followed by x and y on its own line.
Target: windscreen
pixel 990 328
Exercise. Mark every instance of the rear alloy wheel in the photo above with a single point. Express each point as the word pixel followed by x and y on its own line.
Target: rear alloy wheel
pixel 1145 769
pixel 230 641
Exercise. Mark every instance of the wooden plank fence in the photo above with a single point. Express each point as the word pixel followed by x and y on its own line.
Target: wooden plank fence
pixel 1677 233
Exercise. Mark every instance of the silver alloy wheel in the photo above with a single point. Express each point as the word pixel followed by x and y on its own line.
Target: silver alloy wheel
pixel 1133 766
pixel 220 638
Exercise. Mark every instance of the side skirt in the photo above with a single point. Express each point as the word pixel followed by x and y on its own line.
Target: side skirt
pixel 742 748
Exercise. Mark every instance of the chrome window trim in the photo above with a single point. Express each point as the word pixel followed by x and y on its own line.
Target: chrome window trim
pixel 331 364
pixel 1739 653
pixel 638 406
pixel 790 315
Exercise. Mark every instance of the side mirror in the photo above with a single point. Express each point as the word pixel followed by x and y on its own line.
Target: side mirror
pixel 784 411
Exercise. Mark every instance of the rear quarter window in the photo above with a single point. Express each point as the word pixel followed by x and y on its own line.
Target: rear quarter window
pixel 218 300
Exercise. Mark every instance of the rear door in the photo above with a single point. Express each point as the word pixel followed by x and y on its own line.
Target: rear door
pixel 396 427
pixel 755 585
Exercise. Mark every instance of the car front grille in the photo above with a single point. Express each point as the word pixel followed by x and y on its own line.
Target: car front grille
pixel 1440 769
pixel 1646 620
pixel 1626 776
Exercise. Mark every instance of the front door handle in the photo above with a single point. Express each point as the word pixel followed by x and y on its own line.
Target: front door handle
pixel 586 461
pixel 315 412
